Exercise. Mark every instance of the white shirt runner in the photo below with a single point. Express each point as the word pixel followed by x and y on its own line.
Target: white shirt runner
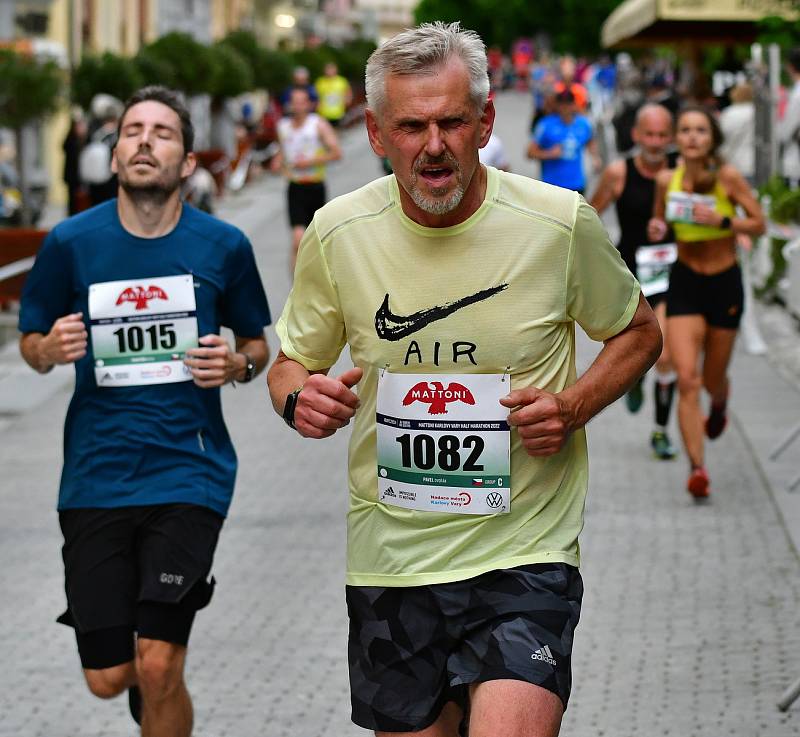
pixel 141 330
pixel 443 443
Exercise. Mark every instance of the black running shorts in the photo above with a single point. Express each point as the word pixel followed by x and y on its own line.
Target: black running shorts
pixel 413 649
pixel 719 298
pixel 135 569
pixel 304 201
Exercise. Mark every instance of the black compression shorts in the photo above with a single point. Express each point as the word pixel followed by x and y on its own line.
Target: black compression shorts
pixel 719 298
pixel 135 569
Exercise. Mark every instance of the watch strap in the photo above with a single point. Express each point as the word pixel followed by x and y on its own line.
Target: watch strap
pixel 289 407
pixel 249 368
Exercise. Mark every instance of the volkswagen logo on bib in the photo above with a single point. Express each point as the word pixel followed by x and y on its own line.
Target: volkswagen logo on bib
pixel 494 500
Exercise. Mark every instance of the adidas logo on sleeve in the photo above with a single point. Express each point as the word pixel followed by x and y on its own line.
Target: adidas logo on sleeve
pixel 544 654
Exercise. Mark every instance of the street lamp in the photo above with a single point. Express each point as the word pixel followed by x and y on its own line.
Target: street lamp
pixel 285 20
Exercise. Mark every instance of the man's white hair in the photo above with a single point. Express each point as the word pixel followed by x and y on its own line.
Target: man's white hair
pixel 423 50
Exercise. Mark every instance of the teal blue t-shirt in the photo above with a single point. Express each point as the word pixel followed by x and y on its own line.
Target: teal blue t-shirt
pixel 145 444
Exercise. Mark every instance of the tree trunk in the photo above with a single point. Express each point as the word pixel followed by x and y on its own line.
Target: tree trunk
pixel 25 213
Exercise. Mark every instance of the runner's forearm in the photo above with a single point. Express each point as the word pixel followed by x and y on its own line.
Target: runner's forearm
pixel 284 376
pixel 623 359
pixel 29 347
pixel 256 349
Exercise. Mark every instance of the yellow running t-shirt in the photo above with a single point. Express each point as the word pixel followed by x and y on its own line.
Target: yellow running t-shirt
pixel 332 93
pixel 366 272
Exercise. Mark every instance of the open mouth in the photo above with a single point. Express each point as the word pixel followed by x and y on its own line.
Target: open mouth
pixel 436 176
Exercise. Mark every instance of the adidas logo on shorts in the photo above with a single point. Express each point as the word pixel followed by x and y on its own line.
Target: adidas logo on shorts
pixel 544 654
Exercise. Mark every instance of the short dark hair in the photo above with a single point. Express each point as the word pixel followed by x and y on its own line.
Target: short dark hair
pixel 168 97
pixel 566 95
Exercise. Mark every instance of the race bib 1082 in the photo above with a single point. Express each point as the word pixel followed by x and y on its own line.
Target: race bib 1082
pixel 443 443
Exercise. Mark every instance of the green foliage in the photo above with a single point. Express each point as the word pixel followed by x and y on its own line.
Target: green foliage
pixel 777 30
pixel 196 65
pixel 272 70
pixel 29 88
pixel 573 25
pixel 245 43
pixel 154 69
pixel 228 68
pixel 313 59
pixel 784 207
pixel 234 75
pixel 352 59
pixel 784 201
pixel 109 74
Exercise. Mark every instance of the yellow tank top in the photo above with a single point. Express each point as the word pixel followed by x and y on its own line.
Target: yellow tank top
pixel 679 211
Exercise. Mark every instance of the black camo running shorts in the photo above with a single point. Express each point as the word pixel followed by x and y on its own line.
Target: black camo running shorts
pixel 413 649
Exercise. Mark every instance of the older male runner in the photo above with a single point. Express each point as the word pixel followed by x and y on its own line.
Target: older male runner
pixel 630 183
pixel 134 292
pixel 458 288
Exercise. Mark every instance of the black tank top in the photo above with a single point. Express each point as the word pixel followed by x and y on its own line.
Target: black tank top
pixel 634 210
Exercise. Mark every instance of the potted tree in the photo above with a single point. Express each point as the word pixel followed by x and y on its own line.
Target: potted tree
pixel 30 89
pixel 113 75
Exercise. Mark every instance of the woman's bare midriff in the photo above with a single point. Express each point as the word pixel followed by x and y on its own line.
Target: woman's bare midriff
pixel 708 257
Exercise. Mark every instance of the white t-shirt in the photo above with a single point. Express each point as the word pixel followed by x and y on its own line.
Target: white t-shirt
pixel 493 153
pixel 737 122
pixel 787 131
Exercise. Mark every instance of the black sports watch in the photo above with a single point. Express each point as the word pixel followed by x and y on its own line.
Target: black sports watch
pixel 289 407
pixel 726 223
pixel 249 369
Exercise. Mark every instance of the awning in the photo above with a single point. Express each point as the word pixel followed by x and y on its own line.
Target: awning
pixel 648 22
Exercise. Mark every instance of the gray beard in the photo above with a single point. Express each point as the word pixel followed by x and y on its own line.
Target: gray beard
pixel 652 159
pixel 437 206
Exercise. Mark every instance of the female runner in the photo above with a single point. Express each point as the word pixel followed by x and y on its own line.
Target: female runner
pixel 705 299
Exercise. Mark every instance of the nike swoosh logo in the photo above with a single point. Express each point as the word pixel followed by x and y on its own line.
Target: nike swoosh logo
pixel 389 326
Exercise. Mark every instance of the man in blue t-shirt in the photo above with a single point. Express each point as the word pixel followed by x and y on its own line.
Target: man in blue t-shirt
pixel 134 293
pixel 558 141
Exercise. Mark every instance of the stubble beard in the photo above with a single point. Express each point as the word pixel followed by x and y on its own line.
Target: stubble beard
pixel 153 192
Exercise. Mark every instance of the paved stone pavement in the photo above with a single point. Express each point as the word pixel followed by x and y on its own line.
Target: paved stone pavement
pixel 691 622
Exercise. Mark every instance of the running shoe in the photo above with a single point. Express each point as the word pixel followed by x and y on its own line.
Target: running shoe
pixel 135 704
pixel 716 421
pixel 697 485
pixel 635 397
pixel 662 447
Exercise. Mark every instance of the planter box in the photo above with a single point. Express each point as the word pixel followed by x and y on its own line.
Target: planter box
pixel 18 248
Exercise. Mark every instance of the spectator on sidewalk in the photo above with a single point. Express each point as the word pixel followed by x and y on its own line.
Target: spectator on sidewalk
pixel 72 147
pixel 451 278
pixel 95 158
pixel 149 467
pixel 789 128
pixel 738 123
